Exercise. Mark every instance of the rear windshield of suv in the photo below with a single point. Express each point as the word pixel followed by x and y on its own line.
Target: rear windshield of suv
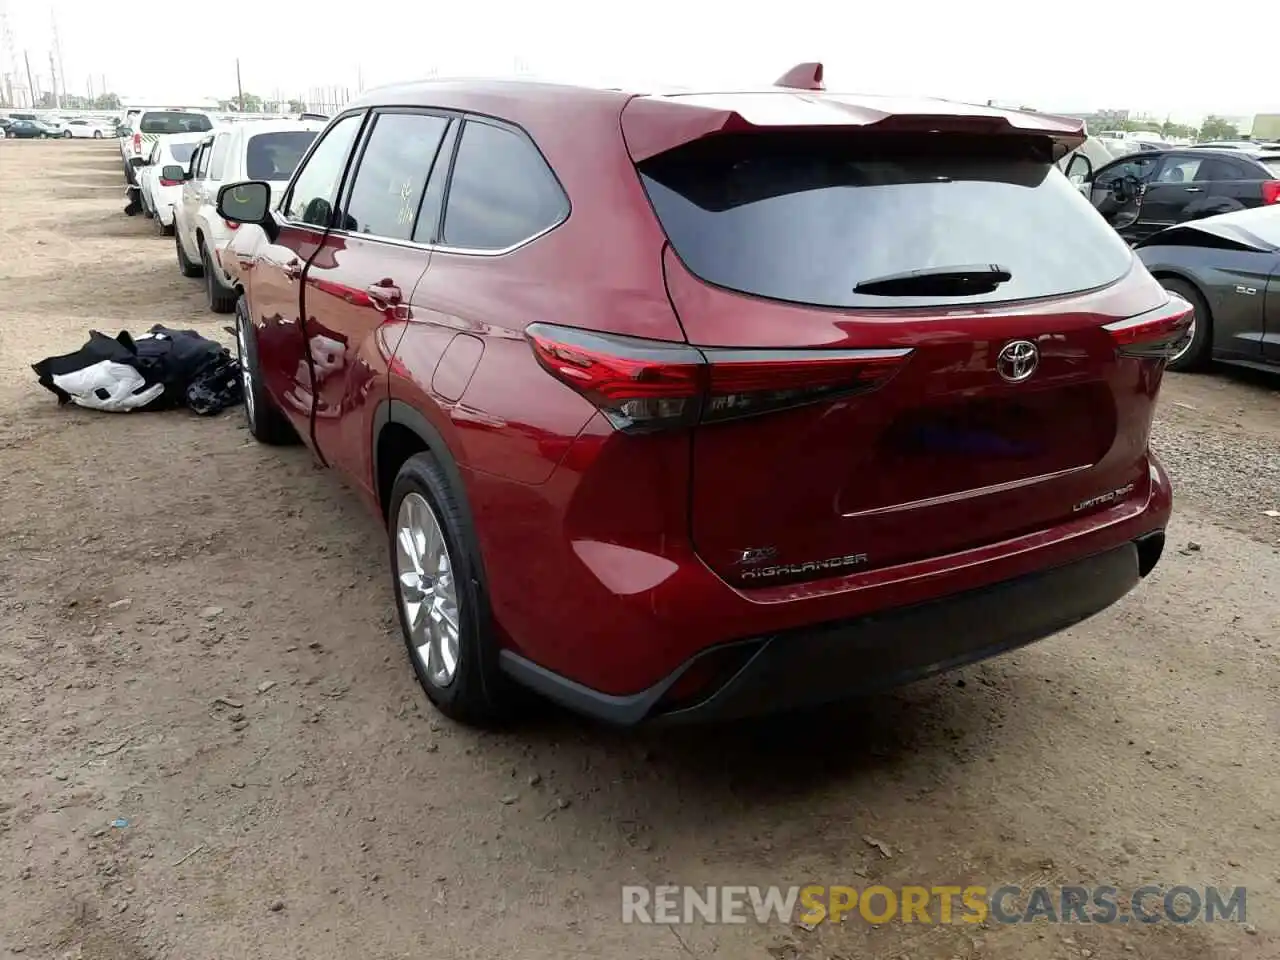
pixel 806 217
pixel 273 156
pixel 182 151
pixel 164 122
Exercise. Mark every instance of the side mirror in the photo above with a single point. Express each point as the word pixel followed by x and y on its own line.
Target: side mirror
pixel 1080 170
pixel 137 161
pixel 246 202
pixel 171 171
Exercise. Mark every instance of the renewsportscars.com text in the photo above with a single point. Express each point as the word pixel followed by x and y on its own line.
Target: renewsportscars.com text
pixel 813 904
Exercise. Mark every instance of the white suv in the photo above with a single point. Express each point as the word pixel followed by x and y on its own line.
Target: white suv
pixel 152 125
pixel 264 150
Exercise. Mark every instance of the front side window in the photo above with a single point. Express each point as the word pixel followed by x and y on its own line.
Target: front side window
pixel 202 164
pixel 1138 168
pixel 502 192
pixel 393 172
pixel 315 189
pixel 1179 170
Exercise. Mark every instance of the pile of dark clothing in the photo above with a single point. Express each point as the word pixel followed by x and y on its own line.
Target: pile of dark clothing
pixel 159 370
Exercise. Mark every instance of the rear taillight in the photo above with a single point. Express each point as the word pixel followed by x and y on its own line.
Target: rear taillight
pixel 137 143
pixel 1157 334
pixel 1271 191
pixel 649 384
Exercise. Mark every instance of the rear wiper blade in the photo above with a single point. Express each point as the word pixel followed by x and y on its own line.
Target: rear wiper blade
pixel 957 281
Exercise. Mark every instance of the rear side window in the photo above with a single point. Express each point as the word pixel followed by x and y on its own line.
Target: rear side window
pixel 218 159
pixel 274 156
pixel 393 172
pixel 1216 168
pixel 502 192
pixel 1273 166
pixel 164 122
pixel 806 218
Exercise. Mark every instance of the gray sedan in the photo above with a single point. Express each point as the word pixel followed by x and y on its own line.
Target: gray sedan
pixel 1228 268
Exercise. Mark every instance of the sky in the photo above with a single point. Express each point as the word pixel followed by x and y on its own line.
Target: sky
pixel 1012 51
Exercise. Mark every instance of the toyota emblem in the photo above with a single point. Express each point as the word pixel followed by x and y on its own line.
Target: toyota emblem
pixel 1017 360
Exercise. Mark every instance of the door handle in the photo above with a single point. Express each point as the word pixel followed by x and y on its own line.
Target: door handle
pixel 385 292
pixel 1194 189
pixel 293 269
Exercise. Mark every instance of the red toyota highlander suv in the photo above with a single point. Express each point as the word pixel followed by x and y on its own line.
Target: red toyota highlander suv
pixel 695 406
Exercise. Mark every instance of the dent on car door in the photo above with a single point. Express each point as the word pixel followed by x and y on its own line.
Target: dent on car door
pixel 359 286
pixel 275 290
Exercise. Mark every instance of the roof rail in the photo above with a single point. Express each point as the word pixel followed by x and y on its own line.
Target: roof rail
pixel 803 76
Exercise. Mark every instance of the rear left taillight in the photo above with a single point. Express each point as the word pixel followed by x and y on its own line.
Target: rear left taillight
pixel 137 143
pixel 1271 191
pixel 644 385
pixel 1157 334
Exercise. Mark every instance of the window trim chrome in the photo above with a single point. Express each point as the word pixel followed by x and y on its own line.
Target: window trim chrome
pixel 368 112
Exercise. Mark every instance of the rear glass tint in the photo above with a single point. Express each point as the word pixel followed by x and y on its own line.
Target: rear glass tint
pixel 1272 164
pixel 163 122
pixel 182 151
pixel 274 156
pixel 805 218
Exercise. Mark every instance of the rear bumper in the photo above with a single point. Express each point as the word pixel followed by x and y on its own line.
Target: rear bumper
pixel 835 661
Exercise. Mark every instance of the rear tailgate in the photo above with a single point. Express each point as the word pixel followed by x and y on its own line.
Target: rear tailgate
pixel 955 442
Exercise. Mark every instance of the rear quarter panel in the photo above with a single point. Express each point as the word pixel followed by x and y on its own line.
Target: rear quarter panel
pixel 1238 318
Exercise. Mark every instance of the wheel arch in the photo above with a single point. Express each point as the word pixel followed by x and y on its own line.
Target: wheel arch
pixel 1183 276
pixel 400 432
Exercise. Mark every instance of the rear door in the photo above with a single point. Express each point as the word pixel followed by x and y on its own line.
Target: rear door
pixel 1234 183
pixel 863 421
pixel 275 276
pixel 358 286
pixel 1176 186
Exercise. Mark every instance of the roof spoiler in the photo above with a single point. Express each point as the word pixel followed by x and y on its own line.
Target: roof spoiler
pixel 803 76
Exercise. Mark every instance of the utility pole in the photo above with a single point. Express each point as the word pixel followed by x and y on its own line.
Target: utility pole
pixel 53 80
pixel 91 90
pixel 57 47
pixel 31 86
pixel 239 88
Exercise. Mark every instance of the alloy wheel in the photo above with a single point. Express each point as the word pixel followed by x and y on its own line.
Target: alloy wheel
pixel 246 373
pixel 428 594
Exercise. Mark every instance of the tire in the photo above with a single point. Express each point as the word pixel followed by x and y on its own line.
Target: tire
pixel 166 229
pixel 220 297
pixel 1197 354
pixel 265 421
pixel 66 134
pixel 185 265
pixel 97 134
pixel 475 692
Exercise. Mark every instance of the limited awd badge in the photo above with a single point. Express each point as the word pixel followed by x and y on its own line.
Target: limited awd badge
pixel 1109 497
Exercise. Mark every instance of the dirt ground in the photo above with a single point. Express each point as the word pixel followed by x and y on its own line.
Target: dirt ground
pixel 196 637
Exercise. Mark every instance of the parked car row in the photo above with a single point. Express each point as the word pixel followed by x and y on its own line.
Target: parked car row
pixel 178 179
pixel 28 126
